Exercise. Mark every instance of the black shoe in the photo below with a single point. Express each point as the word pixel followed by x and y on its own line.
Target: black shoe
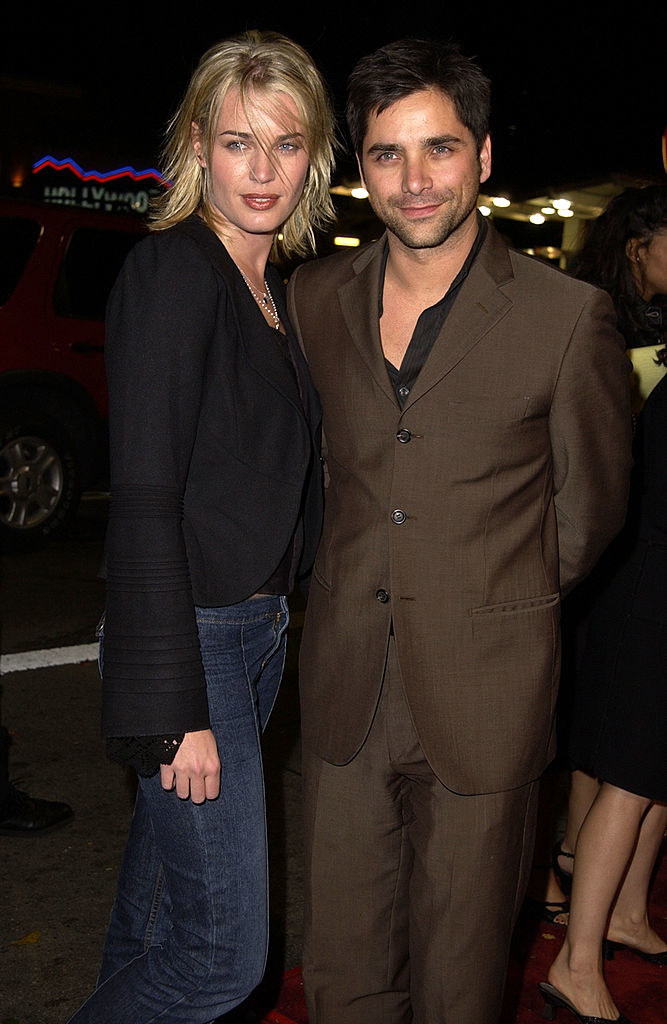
pixel 25 816
pixel 609 947
pixel 547 911
pixel 554 999
pixel 564 877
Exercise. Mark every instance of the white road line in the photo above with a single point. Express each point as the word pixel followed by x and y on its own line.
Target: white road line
pixel 48 657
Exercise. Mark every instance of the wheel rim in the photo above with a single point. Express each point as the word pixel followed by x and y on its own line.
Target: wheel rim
pixel 31 482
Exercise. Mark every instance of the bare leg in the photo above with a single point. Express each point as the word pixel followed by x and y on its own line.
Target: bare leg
pixel 543 887
pixel 629 919
pixel 583 791
pixel 606 842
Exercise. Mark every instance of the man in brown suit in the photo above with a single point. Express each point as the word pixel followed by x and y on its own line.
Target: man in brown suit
pixel 476 426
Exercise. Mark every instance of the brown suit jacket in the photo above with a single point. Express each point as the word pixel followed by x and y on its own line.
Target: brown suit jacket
pixel 463 516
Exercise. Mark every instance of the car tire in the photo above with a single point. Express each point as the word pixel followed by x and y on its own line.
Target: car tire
pixel 40 479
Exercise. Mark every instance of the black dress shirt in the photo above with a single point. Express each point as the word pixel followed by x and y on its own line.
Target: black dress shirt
pixel 429 323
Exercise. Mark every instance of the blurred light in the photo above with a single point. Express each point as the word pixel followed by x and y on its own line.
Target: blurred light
pixel 359 193
pixel 536 218
pixel 566 213
pixel 548 210
pixel 561 204
pixel 350 242
pixel 500 201
pixel 17 177
pixel 484 210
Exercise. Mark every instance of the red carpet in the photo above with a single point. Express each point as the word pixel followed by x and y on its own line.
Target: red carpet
pixel 640 990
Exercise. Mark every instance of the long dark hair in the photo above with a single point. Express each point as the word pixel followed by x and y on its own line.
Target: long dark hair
pixel 636 213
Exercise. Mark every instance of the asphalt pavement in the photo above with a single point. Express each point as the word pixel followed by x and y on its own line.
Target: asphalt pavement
pixel 57 887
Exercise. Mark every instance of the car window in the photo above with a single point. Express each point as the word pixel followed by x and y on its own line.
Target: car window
pixel 18 236
pixel 91 264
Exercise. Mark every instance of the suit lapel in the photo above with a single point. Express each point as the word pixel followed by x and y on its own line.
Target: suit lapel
pixel 479 305
pixel 359 299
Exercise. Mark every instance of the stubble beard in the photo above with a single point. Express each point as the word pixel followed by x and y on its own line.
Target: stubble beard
pixel 426 234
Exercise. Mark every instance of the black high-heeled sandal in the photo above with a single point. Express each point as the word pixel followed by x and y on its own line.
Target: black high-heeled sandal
pixel 609 947
pixel 547 910
pixel 564 877
pixel 553 1000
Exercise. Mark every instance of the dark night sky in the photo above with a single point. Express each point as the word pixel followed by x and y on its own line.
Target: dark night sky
pixel 578 91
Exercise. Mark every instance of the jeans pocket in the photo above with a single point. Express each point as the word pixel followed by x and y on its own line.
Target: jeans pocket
pixel 280 624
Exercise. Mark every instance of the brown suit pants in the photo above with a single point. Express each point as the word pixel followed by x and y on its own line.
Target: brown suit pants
pixel 412 891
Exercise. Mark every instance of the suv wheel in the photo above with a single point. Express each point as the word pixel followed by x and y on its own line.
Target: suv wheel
pixel 39 480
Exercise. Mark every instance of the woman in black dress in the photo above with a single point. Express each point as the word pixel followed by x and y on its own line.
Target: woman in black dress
pixel 619 723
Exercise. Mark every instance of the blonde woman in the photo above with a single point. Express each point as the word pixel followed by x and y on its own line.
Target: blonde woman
pixel 215 514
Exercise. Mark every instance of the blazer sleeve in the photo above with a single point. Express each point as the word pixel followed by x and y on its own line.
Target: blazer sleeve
pixel 590 429
pixel 161 317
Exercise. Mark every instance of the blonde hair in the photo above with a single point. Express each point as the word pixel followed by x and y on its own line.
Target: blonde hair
pixel 258 64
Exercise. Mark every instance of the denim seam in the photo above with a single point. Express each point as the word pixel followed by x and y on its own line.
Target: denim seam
pixel 155 907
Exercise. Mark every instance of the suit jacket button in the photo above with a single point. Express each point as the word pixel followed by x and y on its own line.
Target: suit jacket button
pixel 404 435
pixel 382 596
pixel 399 516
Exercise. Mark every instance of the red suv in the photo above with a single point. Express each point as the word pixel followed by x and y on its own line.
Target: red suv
pixel 57 266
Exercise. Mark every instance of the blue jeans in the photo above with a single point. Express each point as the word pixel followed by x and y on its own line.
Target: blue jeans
pixel 188 935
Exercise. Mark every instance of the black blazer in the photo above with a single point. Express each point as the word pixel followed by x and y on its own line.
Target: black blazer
pixel 214 446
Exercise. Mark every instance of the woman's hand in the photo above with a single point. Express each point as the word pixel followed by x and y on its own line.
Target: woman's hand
pixel 195 771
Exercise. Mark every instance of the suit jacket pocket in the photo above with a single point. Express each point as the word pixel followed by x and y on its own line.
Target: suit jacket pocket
pixel 490 409
pixel 516 645
pixel 520 640
pixel 521 606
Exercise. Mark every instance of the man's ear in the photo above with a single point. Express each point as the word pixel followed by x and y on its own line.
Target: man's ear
pixel 485 160
pixel 195 138
pixel 361 172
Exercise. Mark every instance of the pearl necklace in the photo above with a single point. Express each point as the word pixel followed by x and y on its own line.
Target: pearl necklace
pixel 264 300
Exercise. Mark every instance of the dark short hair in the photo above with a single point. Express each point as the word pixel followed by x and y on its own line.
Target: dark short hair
pixel 412 65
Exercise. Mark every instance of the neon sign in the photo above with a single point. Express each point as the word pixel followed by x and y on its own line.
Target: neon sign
pixel 102 177
pixel 124 189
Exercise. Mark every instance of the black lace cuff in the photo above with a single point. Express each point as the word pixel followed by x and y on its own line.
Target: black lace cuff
pixel 143 753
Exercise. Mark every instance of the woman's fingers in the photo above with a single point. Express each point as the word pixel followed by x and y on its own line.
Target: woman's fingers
pixel 195 771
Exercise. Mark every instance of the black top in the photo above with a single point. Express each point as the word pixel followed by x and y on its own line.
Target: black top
pixel 213 444
pixel 284 577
